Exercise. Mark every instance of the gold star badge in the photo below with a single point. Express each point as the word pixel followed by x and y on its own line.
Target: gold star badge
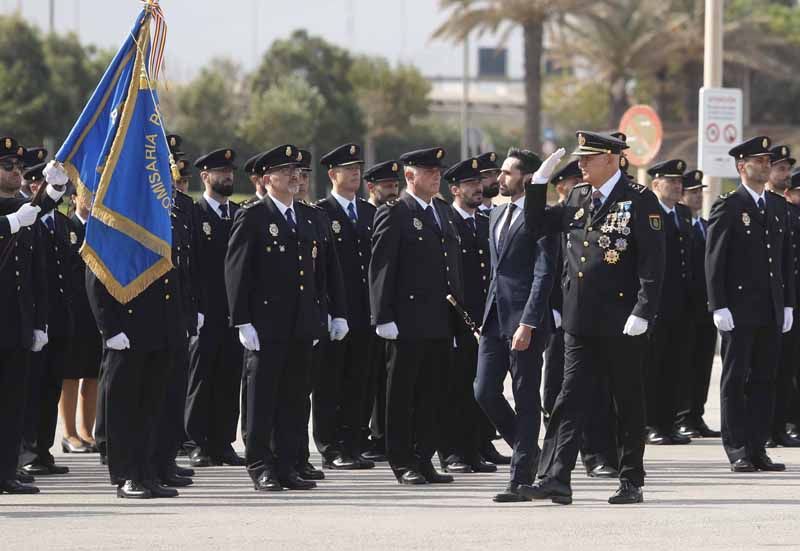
pixel 352 150
pixel 765 143
pixel 474 163
pixel 394 167
pixel 581 140
pixel 439 154
pixel 288 151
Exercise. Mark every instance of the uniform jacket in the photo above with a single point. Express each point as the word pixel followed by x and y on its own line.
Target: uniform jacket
pixel 59 257
pixel 85 324
pixel 476 266
pixel 212 246
pixel 676 289
pixel 698 293
pixel 794 225
pixel 185 238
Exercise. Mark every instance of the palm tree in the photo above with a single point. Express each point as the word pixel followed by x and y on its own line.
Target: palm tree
pixel 501 17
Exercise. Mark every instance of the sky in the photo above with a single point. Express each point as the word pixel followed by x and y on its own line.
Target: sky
pixel 200 30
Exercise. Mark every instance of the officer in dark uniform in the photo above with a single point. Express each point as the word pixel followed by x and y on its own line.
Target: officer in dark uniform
pixel 667 363
pixel 215 358
pixel 750 278
pixel 32 156
pixel 783 432
pixel 487 165
pixel 701 340
pixel 792 417
pixel 383 182
pixel 462 417
pixel 598 447
pixel 415 265
pixel 46 371
pixel 254 177
pixel 614 264
pixel 23 301
pixel 271 275
pixel 341 391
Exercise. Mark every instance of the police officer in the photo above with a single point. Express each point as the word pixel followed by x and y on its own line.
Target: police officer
pixel 667 362
pixel 701 340
pixel 254 178
pixel 383 182
pixel 415 265
pixel 462 418
pixel 215 360
pixel 792 415
pixel 270 271
pixel 781 163
pixel 614 261
pixel 487 165
pixel 340 396
pixel 32 156
pixel 750 278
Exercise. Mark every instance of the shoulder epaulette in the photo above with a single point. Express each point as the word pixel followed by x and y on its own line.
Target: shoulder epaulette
pixel 582 184
pixel 636 187
pixel 480 214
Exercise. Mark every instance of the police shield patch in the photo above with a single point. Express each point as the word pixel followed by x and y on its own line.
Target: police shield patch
pixel 655 222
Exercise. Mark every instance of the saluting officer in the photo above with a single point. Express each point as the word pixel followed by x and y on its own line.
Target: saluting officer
pixel 271 275
pixel 614 264
pixel 462 419
pixel 341 391
pixel 751 292
pixel 701 340
pixel 23 300
pixel 415 265
pixel 215 358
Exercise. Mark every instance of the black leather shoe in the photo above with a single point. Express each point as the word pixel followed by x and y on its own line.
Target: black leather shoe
pixel 706 432
pixel 57 469
pixel 307 471
pixel 103 459
pixel 267 482
pixel 14 486
pixel 626 494
pixel 490 454
pixel 411 478
pixel 433 477
pixel 459 467
pixel 787 440
pixel 183 471
pixel 689 431
pixel 133 489
pixel 230 457
pixel 36 469
pixel 175 480
pixel 157 490
pixel 548 488
pixel 374 456
pixel 679 439
pixel 762 462
pixel 603 471
pixel 342 463
pixel 771 443
pixel 657 438
pixel 364 464
pixel 742 465
pixel 480 466
pixel 510 495
pixel 24 477
pixel 68 447
pixel 198 458
pixel 294 482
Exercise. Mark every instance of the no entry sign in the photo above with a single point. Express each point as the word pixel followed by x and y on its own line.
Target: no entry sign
pixel 642 125
pixel 720 128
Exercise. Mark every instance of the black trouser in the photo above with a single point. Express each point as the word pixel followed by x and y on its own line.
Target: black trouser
pixel 599 438
pixel 13 379
pixel 45 377
pixel 747 388
pixel 589 359
pixel 786 381
pixel 519 427
pixel 215 378
pixel 414 390
pixel 100 415
pixel 701 344
pixel 374 419
pixel 318 354
pixel 135 388
pixel 277 380
pixel 339 395
pixel 463 420
pixel 666 367
pixel 171 430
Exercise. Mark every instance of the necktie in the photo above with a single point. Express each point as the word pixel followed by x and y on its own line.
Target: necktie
pixel 290 220
pixel 760 203
pixel 51 225
pixel 224 212
pixel 501 241
pixel 351 213
pixel 699 230
pixel 471 224
pixel 677 220
pixel 597 200
pixel 432 218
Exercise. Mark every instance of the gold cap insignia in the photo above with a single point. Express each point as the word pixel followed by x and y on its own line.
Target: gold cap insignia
pixel 228 154
pixel 474 163
pixel 581 140
pixel 418 224
pixel 493 156
pixel 173 142
pixel 765 143
pixel 299 155
pixel 352 150
pixel 288 151
pixel 181 165
pixel 20 151
pixel 623 162
pixel 394 167
pixel 9 143
pixel 698 176
pixel 273 230
pixel 439 154
pixel 680 165
pixel 40 155
pixel 783 151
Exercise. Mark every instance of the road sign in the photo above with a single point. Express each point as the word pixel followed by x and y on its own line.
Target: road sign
pixel 642 125
pixel 720 129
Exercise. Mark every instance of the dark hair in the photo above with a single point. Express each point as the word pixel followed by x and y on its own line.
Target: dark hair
pixel 528 163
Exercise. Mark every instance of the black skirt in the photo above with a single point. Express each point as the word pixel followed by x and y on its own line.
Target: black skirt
pixel 84 362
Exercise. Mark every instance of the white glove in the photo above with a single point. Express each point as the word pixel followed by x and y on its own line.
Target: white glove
pixel 387 331
pixel 201 320
pixel 118 342
pixel 339 329
pixel 192 340
pixel 315 343
pixel 635 326
pixel 24 217
pixel 723 319
pixel 557 318
pixel 40 340
pixel 788 319
pixel 55 175
pixel 542 176
pixel 248 336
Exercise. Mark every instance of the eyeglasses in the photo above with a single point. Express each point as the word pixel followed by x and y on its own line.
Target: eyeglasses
pixel 11 164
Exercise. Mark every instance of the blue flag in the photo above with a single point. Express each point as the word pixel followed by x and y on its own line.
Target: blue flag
pixel 118 152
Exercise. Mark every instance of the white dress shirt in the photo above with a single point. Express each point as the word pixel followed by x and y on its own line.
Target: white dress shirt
pixel 214 204
pixel 425 205
pixel 520 203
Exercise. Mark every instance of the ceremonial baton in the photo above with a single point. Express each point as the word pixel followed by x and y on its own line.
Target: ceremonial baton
pixel 464 316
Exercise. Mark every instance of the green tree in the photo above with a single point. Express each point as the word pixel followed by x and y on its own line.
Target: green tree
pixel 502 16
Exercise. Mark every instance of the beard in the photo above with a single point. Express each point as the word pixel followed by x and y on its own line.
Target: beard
pixel 491 191
pixel 473 201
pixel 223 187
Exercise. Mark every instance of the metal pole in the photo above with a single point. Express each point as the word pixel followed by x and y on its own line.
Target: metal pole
pixel 52 16
pixel 712 78
pixel 465 101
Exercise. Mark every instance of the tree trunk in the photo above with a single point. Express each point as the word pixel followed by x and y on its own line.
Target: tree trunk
pixel 533 37
pixel 617 102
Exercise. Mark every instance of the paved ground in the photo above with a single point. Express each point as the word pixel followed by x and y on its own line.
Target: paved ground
pixel 692 501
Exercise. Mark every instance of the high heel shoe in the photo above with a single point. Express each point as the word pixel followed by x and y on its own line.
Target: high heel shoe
pixel 68 447
pixel 90 446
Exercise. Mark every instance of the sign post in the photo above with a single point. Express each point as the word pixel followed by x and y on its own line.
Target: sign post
pixel 642 125
pixel 719 130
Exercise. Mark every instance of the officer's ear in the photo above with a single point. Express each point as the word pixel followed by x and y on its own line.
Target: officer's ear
pixel 455 190
pixel 332 174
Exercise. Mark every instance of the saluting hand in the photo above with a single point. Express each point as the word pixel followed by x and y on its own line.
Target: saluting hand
pixel 522 338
